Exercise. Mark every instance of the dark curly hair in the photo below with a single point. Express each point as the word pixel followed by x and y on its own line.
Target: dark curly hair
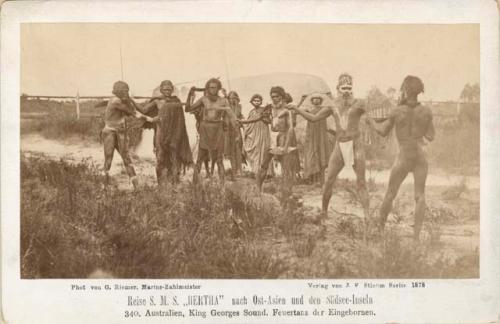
pixel 233 94
pixel 413 85
pixel 279 90
pixel 256 96
pixel 213 80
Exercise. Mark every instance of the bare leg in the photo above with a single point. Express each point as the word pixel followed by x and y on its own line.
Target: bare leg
pixel 220 165
pixel 160 164
pixel 287 178
pixel 322 176
pixel 212 167
pixel 419 176
pixel 233 167
pixel 360 170
pixel 122 145
pixel 202 156
pixel 207 168
pixel 398 174
pixel 261 175
pixel 109 142
pixel 174 171
pixel 212 164
pixel 335 165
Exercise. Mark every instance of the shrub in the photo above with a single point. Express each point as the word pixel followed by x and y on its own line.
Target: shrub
pixel 456 147
pixel 72 224
pixel 61 123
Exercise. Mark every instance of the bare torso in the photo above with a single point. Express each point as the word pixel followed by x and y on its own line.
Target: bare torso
pixel 349 114
pixel 279 121
pixel 412 125
pixel 116 111
pixel 211 109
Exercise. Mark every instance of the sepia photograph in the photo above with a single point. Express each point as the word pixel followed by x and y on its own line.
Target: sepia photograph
pixel 249 161
pixel 249 150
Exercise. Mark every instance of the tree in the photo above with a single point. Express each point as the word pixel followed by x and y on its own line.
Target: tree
pixel 377 103
pixel 465 92
pixel 391 92
pixel 376 99
pixel 476 92
pixel 470 93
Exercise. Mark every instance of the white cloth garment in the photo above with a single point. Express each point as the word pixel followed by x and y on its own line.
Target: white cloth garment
pixel 347 150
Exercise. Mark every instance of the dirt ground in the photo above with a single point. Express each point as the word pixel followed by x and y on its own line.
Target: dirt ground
pixel 451 229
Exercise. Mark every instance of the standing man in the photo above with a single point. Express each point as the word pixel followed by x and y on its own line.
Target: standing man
pixel 114 133
pixel 349 149
pixel 413 123
pixel 212 110
pixel 281 122
pixel 171 142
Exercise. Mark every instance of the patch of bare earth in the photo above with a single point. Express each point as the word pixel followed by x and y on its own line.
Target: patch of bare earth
pixel 338 246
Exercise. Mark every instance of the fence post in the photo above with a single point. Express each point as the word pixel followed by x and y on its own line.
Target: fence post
pixel 77 105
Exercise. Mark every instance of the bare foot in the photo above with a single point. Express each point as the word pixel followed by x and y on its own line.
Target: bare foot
pixel 321 217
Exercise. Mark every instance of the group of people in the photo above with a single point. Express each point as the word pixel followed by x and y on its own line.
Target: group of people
pixel 224 132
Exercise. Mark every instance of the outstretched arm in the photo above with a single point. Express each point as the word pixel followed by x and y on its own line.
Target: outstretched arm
pixel 382 128
pixel 131 108
pixel 290 131
pixel 251 121
pixel 322 114
pixel 431 132
pixel 147 107
pixel 138 113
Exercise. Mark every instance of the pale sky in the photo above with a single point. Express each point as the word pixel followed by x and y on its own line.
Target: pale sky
pixel 62 58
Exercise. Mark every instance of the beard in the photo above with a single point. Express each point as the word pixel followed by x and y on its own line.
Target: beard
pixel 346 95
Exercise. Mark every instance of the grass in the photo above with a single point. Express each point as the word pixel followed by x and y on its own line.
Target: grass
pixel 71 225
pixel 394 256
pixel 62 123
pixel 391 255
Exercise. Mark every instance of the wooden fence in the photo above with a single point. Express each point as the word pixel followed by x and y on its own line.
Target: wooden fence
pixel 76 98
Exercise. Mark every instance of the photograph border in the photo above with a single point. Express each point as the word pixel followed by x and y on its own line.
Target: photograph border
pixel 448 300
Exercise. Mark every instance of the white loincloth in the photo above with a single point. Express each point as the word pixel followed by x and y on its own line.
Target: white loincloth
pixel 347 150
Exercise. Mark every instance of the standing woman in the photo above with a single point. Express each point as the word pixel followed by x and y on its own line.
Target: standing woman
pixel 257 137
pixel 293 158
pixel 233 143
pixel 317 148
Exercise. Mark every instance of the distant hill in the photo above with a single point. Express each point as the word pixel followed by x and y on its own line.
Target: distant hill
pixel 296 84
